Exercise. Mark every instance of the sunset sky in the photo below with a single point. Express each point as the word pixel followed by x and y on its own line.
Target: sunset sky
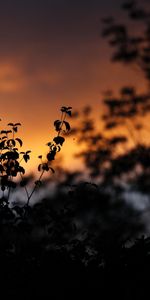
pixel 52 54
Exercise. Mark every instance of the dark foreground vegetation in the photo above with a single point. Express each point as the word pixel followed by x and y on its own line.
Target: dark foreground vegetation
pixel 89 235
pixel 83 241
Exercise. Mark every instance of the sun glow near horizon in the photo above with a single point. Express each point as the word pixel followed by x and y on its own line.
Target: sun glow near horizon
pixel 61 60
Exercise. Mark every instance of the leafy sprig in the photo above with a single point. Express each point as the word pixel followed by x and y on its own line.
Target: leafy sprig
pixel 11 156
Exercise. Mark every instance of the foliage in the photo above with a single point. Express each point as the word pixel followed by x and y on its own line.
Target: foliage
pixel 85 235
pixel 131 47
pixel 11 156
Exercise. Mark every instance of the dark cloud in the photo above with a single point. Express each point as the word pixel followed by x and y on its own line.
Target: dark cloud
pixel 22 22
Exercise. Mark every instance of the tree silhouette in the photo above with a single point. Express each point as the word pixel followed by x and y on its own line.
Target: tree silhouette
pixel 116 156
pixel 131 47
pixel 119 149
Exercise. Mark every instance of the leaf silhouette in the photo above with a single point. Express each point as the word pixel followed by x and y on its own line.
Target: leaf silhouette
pixel 53 171
pixel 17 124
pixel 67 125
pixel 57 125
pixel 15 129
pixel 10 124
pixel 59 140
pixel 11 142
pixel 26 157
pixel 51 155
pixel 39 167
pixel 45 167
pixel 21 170
pixel 19 141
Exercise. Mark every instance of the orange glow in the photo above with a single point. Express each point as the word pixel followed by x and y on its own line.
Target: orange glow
pixel 10 79
pixel 55 59
pixel 22 101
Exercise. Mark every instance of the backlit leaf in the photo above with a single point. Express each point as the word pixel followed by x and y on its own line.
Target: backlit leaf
pixel 59 140
pixel 67 125
pixel 19 141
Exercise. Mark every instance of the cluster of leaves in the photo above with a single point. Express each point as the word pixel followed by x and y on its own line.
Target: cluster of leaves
pixel 129 105
pixel 62 127
pixel 130 47
pixel 107 153
pixel 11 156
pixel 118 152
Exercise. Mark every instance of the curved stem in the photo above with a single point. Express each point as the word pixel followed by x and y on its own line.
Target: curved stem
pixel 63 116
pixel 20 160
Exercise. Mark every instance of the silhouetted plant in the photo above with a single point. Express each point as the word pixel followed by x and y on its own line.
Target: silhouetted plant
pixel 118 148
pixel 10 162
pixel 11 156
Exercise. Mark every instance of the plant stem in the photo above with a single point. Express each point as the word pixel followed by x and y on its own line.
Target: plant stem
pixel 63 116
pixel 35 187
pixel 26 190
pixel 9 189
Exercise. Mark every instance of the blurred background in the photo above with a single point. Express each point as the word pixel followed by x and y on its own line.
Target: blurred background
pixel 52 54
